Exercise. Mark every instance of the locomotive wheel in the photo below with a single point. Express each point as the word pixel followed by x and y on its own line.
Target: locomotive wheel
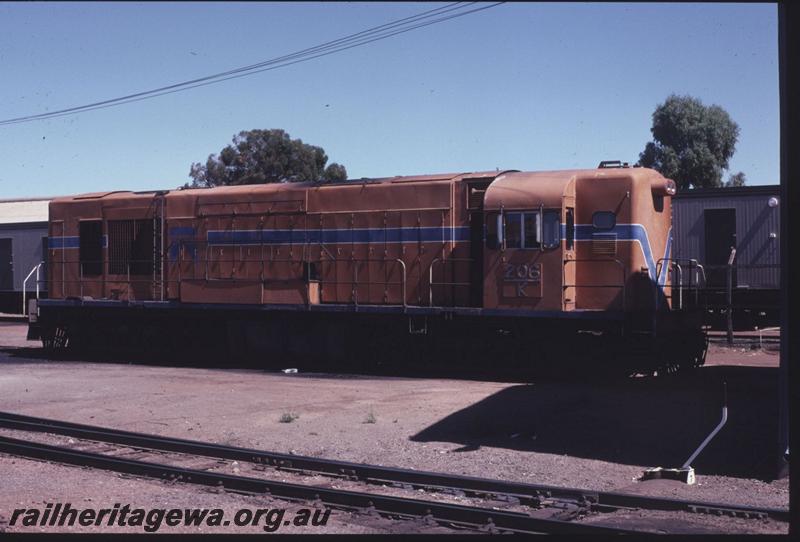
pixel 54 338
pixel 47 333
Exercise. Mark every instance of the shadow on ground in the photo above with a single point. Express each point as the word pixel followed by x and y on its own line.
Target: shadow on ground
pixel 639 421
pixel 652 421
pixel 209 359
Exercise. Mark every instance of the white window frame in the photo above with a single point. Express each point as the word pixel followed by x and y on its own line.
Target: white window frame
pixel 538 228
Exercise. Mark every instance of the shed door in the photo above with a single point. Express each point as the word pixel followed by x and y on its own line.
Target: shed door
pixel 720 238
pixel 6 265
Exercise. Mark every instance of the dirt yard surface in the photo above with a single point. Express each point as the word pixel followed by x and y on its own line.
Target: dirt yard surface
pixel 597 435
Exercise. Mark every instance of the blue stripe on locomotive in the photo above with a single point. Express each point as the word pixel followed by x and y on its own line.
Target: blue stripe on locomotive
pixel 70 241
pixel 629 232
pixel 339 236
pixel 184 234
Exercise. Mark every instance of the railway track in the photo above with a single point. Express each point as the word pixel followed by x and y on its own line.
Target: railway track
pixel 549 508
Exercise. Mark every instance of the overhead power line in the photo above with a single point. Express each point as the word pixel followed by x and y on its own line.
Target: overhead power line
pixel 358 39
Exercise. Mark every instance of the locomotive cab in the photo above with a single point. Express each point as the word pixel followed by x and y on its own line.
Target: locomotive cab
pixel 529 236
pixel 588 240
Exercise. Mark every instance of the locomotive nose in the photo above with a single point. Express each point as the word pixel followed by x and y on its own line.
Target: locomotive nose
pixel 664 187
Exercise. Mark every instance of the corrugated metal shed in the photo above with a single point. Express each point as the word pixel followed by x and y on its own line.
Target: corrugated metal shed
pixel 757 230
pixel 23 230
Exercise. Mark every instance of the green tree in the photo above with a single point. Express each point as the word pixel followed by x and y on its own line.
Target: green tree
pixel 737 179
pixel 692 143
pixel 265 156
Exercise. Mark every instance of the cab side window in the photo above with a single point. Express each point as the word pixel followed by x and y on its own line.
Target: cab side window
pixel 531 233
pixel 570 228
pixel 551 230
pixel 513 230
pixel 521 229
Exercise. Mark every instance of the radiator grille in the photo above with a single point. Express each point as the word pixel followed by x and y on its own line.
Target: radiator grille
pixel 120 240
pixel 604 244
pixel 132 247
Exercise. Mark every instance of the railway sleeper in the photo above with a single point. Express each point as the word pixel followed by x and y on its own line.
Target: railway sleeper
pixel 543 496
pixel 716 511
pixel 441 513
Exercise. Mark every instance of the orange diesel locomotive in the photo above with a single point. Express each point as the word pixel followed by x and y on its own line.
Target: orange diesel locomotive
pixel 537 268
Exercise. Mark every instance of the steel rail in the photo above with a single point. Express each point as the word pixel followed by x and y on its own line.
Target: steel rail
pixel 447 514
pixel 530 494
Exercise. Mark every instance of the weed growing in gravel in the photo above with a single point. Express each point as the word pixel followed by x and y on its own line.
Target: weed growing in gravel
pixel 370 418
pixel 288 417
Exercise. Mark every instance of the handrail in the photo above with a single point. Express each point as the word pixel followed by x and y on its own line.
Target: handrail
pixel 675 263
pixel 689 262
pixel 622 286
pixel 104 277
pixel 25 286
pixel 431 284
pixel 356 269
pixel 354 283
pixel 744 266
pixel 358 263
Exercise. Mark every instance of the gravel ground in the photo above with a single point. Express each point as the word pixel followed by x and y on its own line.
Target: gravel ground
pixel 685 523
pixel 596 435
pixel 33 484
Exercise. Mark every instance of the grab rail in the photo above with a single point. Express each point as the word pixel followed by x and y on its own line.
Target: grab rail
pixel 356 269
pixel 25 286
pixel 694 286
pixel 431 283
pixel 595 260
pixel 355 283
pixel 104 277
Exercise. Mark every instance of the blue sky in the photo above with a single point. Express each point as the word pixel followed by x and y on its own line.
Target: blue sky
pixel 524 86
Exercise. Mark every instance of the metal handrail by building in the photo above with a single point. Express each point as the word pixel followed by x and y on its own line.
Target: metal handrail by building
pixel 35 270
